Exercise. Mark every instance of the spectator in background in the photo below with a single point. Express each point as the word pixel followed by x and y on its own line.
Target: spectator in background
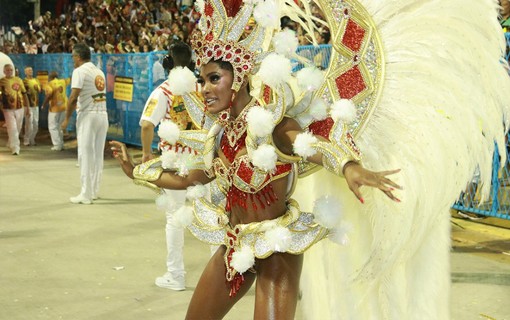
pixel 163 105
pixel 14 104
pixel 33 87
pixel 89 93
pixel 57 98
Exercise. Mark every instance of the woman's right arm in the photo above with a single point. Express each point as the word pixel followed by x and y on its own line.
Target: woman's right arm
pixel 166 180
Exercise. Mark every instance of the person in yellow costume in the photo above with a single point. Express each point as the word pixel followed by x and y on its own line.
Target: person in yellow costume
pixel 14 99
pixel 33 87
pixel 57 98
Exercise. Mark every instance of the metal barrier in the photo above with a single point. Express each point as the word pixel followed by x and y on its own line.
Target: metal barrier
pixel 499 203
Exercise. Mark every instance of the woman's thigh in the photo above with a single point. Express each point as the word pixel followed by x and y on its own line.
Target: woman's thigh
pixel 277 287
pixel 211 298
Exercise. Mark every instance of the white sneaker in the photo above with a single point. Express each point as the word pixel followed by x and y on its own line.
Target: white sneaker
pixel 80 199
pixel 55 148
pixel 168 281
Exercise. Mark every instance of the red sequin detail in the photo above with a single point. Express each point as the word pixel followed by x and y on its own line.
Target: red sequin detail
pixel 231 152
pixel 208 10
pixel 267 94
pixel 232 7
pixel 238 279
pixel 350 83
pixel 322 128
pixel 353 36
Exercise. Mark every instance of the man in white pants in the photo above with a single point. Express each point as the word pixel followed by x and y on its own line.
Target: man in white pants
pixel 14 104
pixel 88 92
pixel 56 96
pixel 33 87
pixel 163 105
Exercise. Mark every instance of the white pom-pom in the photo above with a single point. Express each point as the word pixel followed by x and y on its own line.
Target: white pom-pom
pixel 164 202
pixel 260 121
pixel 279 239
pixel 242 259
pixel 285 42
pixel 303 144
pixel 327 211
pixel 181 80
pixel 265 157
pixel 267 14
pixel 340 234
pixel 200 6
pixel 196 192
pixel 310 78
pixel 343 110
pixel 183 217
pixel 169 159
pixel 274 70
pixel 318 109
pixel 169 131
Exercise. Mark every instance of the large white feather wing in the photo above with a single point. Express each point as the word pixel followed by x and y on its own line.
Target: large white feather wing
pixel 444 102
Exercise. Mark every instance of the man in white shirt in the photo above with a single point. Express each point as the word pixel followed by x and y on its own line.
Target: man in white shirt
pixel 88 86
pixel 161 105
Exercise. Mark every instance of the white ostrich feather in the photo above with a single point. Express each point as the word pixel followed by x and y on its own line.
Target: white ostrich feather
pixel 443 104
pixel 309 78
pixel 260 121
pixel 169 131
pixel 285 42
pixel 328 211
pixel 243 259
pixel 275 70
pixel 183 217
pixel 343 110
pixel 264 157
pixel 169 159
pixel 303 144
pixel 318 109
pixel 181 80
pixel 196 192
pixel 279 239
pixel 267 14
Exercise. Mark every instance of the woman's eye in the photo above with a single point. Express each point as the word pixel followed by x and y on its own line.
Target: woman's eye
pixel 201 82
pixel 215 78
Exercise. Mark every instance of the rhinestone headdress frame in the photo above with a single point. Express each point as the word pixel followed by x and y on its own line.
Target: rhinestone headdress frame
pixel 220 38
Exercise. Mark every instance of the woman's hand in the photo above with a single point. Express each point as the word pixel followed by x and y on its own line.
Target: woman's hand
pixel 120 153
pixel 358 176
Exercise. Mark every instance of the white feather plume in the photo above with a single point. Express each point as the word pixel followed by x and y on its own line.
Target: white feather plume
pixel 181 80
pixel 343 110
pixel 285 42
pixel 183 217
pixel 169 131
pixel 243 259
pixel 169 159
pixel 275 70
pixel 196 192
pixel 340 234
pixel 328 211
pixel 267 14
pixel 303 144
pixel 260 121
pixel 164 202
pixel 318 109
pixel 279 239
pixel 310 78
pixel 264 157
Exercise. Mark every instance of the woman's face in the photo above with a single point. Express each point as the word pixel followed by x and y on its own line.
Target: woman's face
pixel 216 87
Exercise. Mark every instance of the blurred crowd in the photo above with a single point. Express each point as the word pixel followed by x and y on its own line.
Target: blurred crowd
pixel 107 26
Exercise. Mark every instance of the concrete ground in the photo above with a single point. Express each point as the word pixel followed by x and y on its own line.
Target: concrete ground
pixel 99 262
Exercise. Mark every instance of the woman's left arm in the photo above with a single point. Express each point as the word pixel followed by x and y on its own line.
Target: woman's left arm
pixel 337 157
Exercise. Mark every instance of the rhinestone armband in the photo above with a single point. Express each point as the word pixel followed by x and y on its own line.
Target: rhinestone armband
pixel 145 173
pixel 335 156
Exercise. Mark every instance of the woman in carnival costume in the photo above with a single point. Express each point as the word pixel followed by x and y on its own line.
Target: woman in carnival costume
pixel 262 128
